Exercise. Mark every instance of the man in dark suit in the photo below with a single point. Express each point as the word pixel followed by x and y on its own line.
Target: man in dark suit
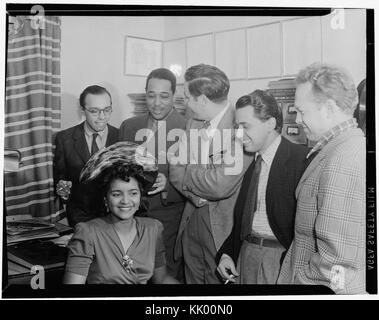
pixel 73 148
pixel 264 214
pixel 165 203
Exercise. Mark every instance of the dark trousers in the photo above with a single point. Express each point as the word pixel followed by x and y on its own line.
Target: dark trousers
pixel 199 250
pixel 170 217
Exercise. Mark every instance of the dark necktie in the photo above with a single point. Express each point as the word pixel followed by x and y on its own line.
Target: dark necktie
pixel 94 147
pixel 252 199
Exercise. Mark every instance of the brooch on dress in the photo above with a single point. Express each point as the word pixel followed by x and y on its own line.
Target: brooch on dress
pixel 127 263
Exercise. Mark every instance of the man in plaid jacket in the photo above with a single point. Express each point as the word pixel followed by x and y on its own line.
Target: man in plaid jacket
pixel 329 244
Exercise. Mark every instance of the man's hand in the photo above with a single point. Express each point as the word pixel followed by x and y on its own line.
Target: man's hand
pixel 64 189
pixel 159 185
pixel 227 269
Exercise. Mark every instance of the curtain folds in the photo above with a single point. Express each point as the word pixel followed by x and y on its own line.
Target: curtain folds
pixel 32 116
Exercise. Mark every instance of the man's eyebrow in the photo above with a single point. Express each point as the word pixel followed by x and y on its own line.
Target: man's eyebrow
pixel 152 91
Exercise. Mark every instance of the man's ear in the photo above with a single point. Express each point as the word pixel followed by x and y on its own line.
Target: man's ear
pixel 271 123
pixel 331 107
pixel 203 100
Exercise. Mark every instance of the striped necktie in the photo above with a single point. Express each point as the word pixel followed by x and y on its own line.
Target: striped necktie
pixel 94 147
pixel 203 130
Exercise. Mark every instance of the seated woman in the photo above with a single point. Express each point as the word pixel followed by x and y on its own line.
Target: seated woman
pixel 120 248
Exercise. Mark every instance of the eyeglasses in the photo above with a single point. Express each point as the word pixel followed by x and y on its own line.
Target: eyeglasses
pixel 96 112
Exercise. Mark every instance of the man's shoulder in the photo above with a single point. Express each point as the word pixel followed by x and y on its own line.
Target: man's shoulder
pixel 178 119
pixel 69 131
pixel 112 129
pixel 351 141
pixel 135 121
pixel 349 148
pixel 295 149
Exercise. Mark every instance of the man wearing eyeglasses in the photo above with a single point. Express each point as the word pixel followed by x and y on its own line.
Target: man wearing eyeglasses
pixel 73 148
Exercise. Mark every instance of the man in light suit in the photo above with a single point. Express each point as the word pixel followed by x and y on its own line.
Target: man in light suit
pixel 166 203
pixel 203 176
pixel 73 148
pixel 329 244
pixel 264 214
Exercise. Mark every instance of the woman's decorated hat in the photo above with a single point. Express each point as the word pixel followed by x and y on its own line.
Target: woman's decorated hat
pixel 124 153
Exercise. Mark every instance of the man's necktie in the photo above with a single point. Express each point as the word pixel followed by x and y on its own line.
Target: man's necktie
pixel 203 130
pixel 94 147
pixel 249 210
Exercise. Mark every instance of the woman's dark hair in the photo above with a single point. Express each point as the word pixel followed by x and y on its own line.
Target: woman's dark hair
pixel 125 172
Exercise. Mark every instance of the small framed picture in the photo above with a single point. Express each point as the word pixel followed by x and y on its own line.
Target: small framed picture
pixel 141 56
pixel 291 109
pixel 293 131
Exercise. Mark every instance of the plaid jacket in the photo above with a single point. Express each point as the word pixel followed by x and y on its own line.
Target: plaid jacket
pixel 329 244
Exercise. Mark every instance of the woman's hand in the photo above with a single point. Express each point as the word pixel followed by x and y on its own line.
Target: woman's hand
pixel 64 189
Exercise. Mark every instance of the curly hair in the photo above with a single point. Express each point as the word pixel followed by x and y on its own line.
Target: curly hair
pixel 125 172
pixel 163 74
pixel 330 82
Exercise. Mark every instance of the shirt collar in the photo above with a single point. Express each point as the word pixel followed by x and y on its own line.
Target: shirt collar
pixel 151 120
pixel 216 120
pixel 89 132
pixel 332 133
pixel 269 154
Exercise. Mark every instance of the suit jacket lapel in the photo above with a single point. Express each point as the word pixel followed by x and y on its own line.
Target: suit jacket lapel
pixel 278 173
pixel 314 163
pixel 244 202
pixel 112 136
pixel 80 143
pixel 278 165
pixel 324 152
pixel 171 121
pixel 226 122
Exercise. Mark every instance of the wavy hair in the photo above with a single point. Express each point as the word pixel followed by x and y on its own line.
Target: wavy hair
pixel 208 80
pixel 330 82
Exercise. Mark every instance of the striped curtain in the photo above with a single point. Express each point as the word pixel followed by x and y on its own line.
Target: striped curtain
pixel 32 116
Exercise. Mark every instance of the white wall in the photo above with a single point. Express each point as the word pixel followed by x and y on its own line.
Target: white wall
pixel 177 27
pixel 92 52
pixel 345 47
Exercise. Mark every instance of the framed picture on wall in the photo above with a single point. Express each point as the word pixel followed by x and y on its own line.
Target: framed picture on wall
pixel 141 56
pixel 291 109
pixel 293 130
pixel 294 133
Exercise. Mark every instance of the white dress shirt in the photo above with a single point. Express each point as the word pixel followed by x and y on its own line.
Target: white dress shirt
pixel 261 227
pixel 206 138
pixel 101 139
